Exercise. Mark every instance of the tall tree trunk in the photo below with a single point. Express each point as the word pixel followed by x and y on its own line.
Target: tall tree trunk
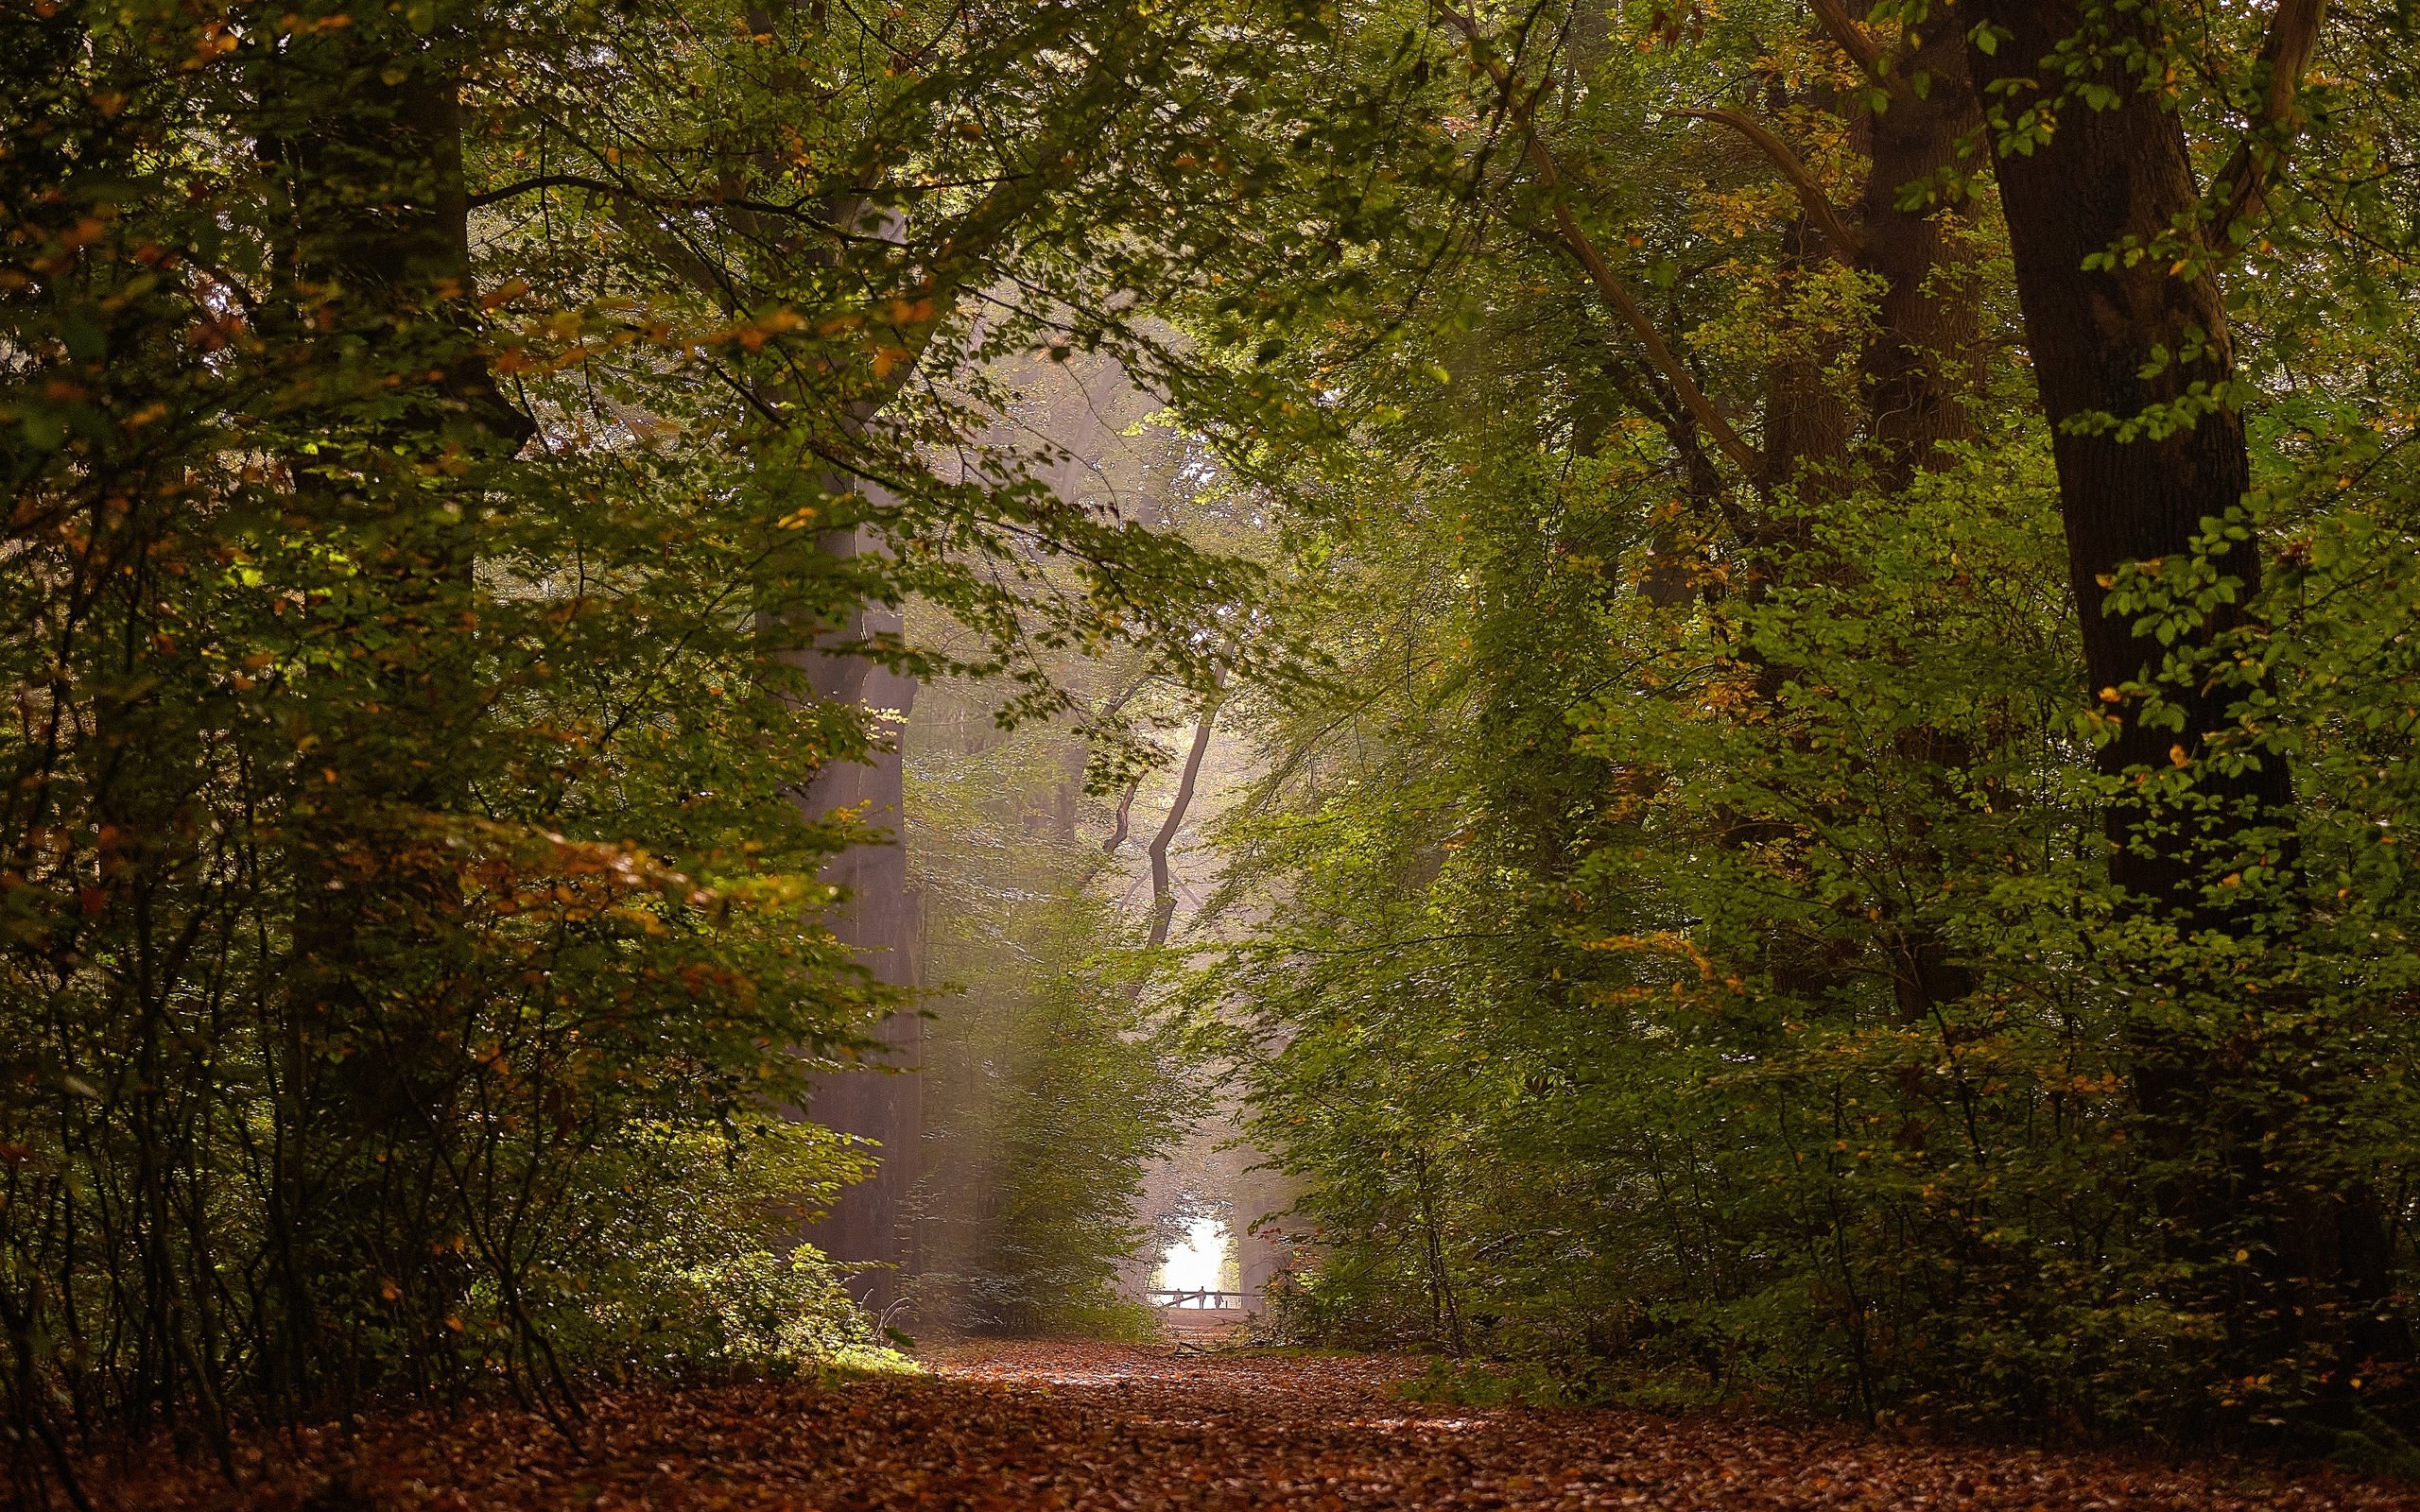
pixel 2114 339
pixel 1915 367
pixel 873 1220
pixel 1915 373
pixel 2111 344
pixel 378 299
pixel 882 921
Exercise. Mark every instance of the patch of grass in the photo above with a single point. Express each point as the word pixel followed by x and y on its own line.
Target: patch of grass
pixel 1671 1391
pixel 1536 1383
pixel 1486 1384
pixel 2376 1448
pixel 865 1362
pixel 1117 1322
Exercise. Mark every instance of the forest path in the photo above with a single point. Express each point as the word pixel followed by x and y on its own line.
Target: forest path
pixel 1061 1425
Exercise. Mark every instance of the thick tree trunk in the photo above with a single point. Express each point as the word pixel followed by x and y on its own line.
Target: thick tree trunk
pixel 883 922
pixel 1808 429
pixel 1915 368
pixel 377 294
pixel 2114 339
pixel 1915 375
pixel 2102 178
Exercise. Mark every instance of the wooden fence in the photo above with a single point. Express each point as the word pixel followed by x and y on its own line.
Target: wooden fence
pixel 1197 1299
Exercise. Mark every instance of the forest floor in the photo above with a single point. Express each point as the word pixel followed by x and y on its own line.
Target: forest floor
pixel 1037 1425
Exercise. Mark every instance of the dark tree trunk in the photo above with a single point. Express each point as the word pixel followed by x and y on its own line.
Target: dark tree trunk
pixel 1915 367
pixel 2111 343
pixel 2104 177
pixel 1808 430
pixel 1916 373
pixel 377 294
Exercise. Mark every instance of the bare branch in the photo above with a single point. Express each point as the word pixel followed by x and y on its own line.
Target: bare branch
pixel 1820 208
pixel 1163 886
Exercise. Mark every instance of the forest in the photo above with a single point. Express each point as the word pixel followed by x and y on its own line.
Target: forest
pixel 1680 706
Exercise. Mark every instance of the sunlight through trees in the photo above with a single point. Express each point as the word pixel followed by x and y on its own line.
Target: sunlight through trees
pixel 1692 704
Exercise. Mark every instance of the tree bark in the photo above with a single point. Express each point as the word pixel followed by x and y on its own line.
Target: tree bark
pixel 2114 339
pixel 2111 344
pixel 883 922
pixel 375 294
pixel 1913 368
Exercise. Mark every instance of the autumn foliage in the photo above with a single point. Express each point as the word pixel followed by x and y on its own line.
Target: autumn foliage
pixel 1820 602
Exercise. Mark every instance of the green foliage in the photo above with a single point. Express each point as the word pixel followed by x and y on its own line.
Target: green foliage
pixel 442 439
pixel 701 1281
pixel 1687 962
pixel 1051 1080
pixel 1683 956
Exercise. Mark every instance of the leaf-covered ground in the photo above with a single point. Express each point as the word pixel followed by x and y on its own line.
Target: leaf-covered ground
pixel 1124 1427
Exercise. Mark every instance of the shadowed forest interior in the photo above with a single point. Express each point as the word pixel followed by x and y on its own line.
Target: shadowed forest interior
pixel 1686 705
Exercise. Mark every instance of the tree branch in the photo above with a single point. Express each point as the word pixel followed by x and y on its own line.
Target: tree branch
pixel 1125 808
pixel 2293 36
pixel 1845 240
pixel 1659 353
pixel 636 195
pixel 1163 886
pixel 1853 39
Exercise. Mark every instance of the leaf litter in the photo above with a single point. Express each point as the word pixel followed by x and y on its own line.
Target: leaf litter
pixel 1054 1424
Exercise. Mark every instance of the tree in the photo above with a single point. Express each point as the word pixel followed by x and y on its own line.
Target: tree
pixel 1704 879
pixel 422 427
pixel 2116 252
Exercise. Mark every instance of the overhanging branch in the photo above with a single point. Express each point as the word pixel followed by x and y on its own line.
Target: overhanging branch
pixel 1853 39
pixel 1659 352
pixel 2293 36
pixel 1817 205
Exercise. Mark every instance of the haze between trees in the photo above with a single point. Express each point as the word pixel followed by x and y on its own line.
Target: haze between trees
pixel 1820 608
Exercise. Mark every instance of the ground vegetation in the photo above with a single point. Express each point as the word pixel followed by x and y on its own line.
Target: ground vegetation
pixel 1854 855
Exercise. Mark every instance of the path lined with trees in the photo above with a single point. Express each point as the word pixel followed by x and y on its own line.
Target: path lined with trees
pixel 1784 632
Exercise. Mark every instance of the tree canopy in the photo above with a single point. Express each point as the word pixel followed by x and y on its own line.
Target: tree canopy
pixel 1851 855
pixel 1823 607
